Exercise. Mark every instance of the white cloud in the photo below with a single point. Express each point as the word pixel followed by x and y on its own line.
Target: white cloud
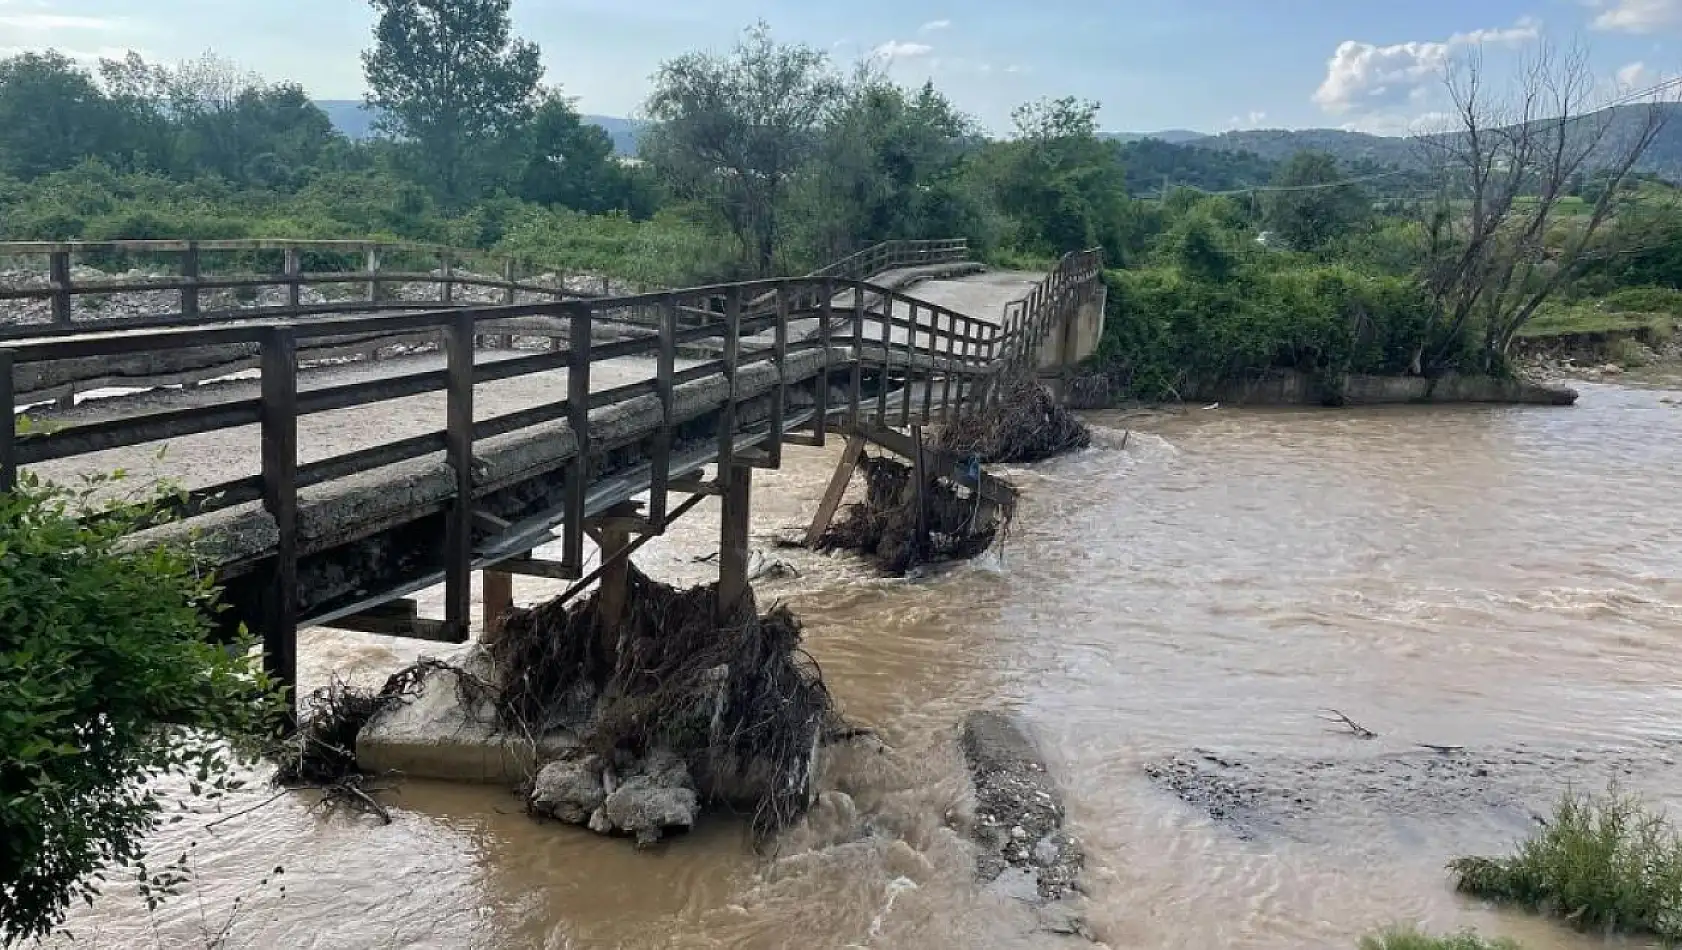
pixel 1013 68
pixel 895 49
pixel 1637 16
pixel 935 25
pixel 1251 121
pixel 1366 77
pixel 45 22
pixel 1636 75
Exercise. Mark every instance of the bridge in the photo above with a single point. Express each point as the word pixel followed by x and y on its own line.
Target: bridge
pixel 340 452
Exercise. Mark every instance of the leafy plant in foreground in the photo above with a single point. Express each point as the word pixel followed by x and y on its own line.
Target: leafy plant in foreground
pixel 111 682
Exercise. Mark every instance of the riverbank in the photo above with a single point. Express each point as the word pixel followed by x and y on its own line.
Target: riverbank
pixel 1292 388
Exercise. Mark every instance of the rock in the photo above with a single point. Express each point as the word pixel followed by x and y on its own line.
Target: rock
pixel 656 794
pixel 1018 816
pixel 569 790
pixel 1612 369
pixel 1064 919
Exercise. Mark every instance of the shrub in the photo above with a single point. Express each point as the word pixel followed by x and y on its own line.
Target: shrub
pixel 1601 862
pixel 1645 300
pixel 111 680
pixel 1410 939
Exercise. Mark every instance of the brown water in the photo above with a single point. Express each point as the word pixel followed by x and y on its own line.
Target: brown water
pixel 1455 576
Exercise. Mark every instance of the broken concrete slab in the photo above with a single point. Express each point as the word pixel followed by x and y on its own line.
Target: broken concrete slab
pixel 449 730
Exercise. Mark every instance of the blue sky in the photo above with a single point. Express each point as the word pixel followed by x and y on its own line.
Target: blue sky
pixel 1203 64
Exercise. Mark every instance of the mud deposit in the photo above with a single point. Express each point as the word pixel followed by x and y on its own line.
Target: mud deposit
pixel 1419 793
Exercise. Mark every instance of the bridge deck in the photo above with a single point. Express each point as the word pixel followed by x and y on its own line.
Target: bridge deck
pixel 328 488
pixel 208 458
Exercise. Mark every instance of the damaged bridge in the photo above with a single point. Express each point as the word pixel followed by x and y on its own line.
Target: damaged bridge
pixel 336 458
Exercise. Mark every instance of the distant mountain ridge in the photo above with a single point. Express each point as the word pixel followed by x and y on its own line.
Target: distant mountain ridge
pixel 355 120
pixel 1664 158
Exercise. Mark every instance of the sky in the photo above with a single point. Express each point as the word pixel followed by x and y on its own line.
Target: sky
pixel 1208 65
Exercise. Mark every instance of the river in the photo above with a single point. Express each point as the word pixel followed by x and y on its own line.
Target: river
pixel 1485 577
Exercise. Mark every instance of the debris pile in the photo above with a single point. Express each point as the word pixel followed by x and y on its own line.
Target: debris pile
pixel 671 708
pixel 899 526
pixel 1023 423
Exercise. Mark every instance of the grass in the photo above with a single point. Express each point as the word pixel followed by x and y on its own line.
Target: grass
pixel 1589 317
pixel 1601 863
pixel 1410 939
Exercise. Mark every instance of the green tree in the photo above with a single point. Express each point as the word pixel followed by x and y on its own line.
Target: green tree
pixel 111 682
pixel 734 131
pixel 52 115
pixel 562 160
pixel 888 168
pixel 450 79
pixel 1313 204
pixel 1065 187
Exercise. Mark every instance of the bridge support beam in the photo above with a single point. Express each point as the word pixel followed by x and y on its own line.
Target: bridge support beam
pixel 496 600
pixel 733 538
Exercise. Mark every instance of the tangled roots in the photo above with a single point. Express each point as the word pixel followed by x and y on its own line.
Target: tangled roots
pixel 740 701
pixel 1025 424
pixel 884 526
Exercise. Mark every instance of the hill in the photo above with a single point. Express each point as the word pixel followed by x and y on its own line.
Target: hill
pixel 1171 136
pixel 1663 159
pixel 355 120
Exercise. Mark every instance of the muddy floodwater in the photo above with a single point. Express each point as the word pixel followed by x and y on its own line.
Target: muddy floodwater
pixel 1507 580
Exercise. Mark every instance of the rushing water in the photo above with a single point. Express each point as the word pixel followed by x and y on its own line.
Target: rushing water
pixel 1469 576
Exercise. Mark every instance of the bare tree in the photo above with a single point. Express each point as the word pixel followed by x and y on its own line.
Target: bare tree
pixel 1497 243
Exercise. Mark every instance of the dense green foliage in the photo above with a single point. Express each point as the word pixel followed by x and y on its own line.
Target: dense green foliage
pixel 1602 862
pixel 111 682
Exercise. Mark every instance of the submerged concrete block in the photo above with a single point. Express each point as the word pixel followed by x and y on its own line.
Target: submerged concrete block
pixel 448 732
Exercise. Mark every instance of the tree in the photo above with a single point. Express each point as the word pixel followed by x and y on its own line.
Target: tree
pixel 887 169
pixel 448 77
pixel 735 130
pixel 1064 185
pixel 111 682
pixel 1498 247
pixel 52 115
pixel 1311 204
pixel 562 160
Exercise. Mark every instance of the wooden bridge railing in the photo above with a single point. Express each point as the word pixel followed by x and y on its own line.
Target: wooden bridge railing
pixel 361 278
pixel 1028 322
pixel 912 350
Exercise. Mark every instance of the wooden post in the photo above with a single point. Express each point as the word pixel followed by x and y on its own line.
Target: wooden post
pixel 836 491
pixel 9 428
pixel 733 539
pixel 615 591
pixel 887 360
pixel 190 272
pixel 952 348
pixel 293 268
pixel 856 396
pixel 446 269
pixel 920 491
pixel 497 599
pixel 820 406
pixel 279 420
pixel 58 266
pixel 732 356
pixel 665 369
pixel 458 539
pixel 910 365
pixel 933 355
pixel 779 395
pixel 578 418
pixel 373 261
